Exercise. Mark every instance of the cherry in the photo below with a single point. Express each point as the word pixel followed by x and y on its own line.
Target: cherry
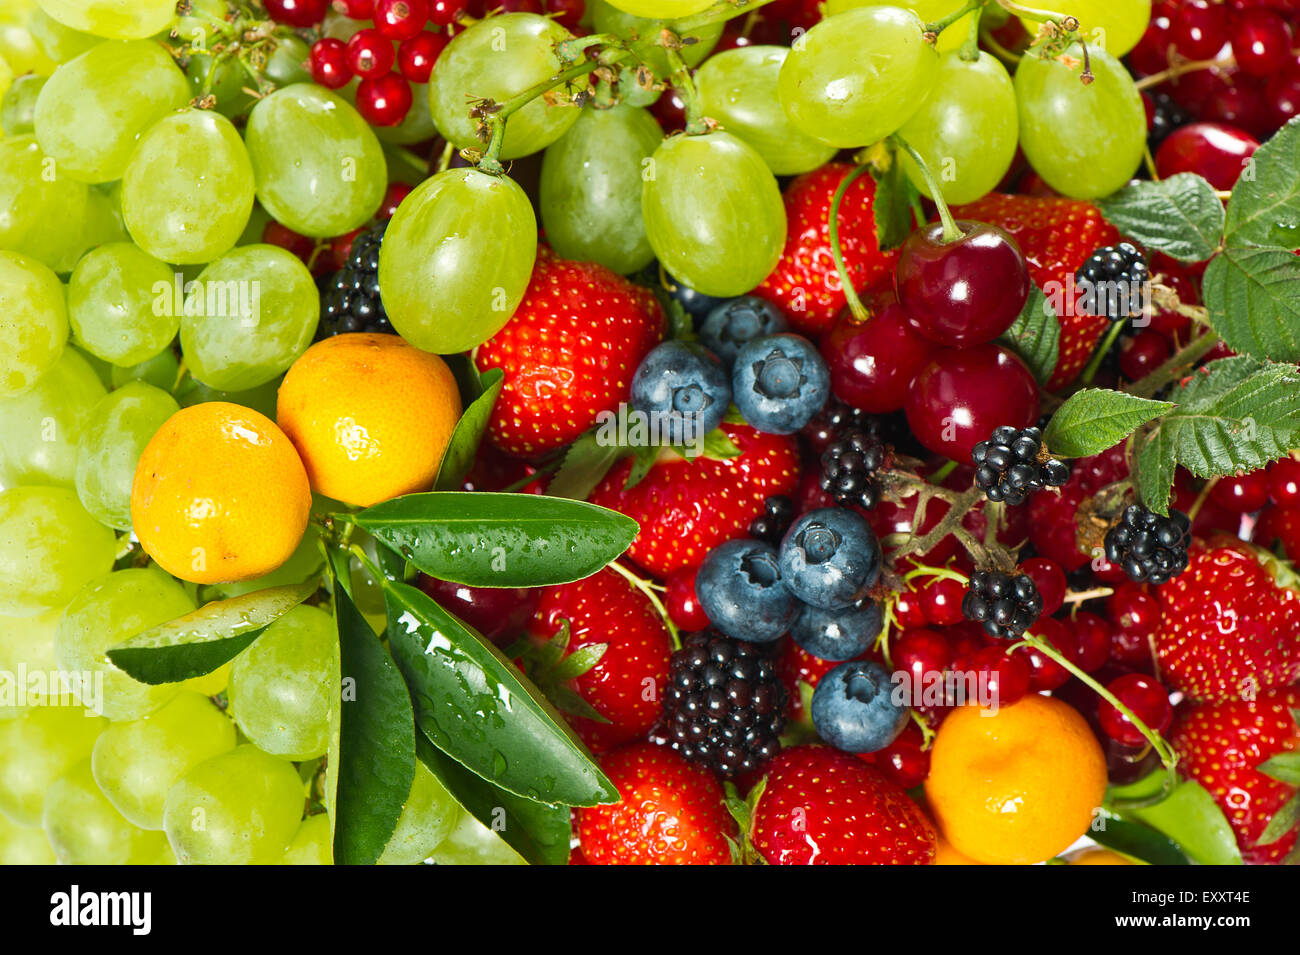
pixel 1146 698
pixel 941 601
pixel 965 291
pixel 1142 354
pixel 393 196
pixel 1242 493
pixel 1151 55
pixel 1006 677
pixel 1281 526
pixel 682 604
pixel 957 400
pixel 1261 42
pixel 872 363
pixel 1135 617
pixel 670 110
pixel 328 62
pixel 1240 104
pixel 1044 672
pixel 445 12
pixel 921 654
pixel 400 19
pixel 568 12
pixel 1284 482
pixel 1092 634
pixel 297 13
pixel 499 613
pixel 1199 28
pixel 908 610
pixel 904 761
pixel 1049 578
pixel 416 56
pixel 275 234
pixel 340 248
pixel 384 101
pixel 370 53
pixel 1282 99
pixel 1212 150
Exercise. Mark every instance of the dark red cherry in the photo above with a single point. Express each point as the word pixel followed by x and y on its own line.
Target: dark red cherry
pixel 1200 28
pixel 1212 150
pixel 872 363
pixel 1142 354
pixel 1261 42
pixel 498 613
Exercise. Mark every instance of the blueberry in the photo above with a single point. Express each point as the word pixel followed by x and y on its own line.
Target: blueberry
pixel 837 634
pixel 739 586
pixel 780 383
pixel 830 558
pixel 697 304
pixel 853 708
pixel 686 386
pixel 734 324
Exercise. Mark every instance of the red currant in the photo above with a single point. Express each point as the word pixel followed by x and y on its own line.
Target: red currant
pixel 1006 675
pixel 286 238
pixel 1142 354
pixel 328 62
pixel 518 6
pixel 499 613
pixel 670 110
pixel 1044 672
pixel 384 101
pixel 904 760
pixel 1261 42
pixel 1049 578
pixel 1279 525
pixel 908 610
pixel 1135 616
pixel 1148 701
pixel 340 248
pixel 370 54
pixel 297 13
pixel 444 12
pixel 682 604
pixel 1199 28
pixel 921 654
pixel 1217 152
pixel 1092 637
pixel 355 9
pixel 1242 493
pixel 1284 482
pixel 966 639
pixel 400 19
pixel 941 601
pixel 416 56
pixel 568 12
pixel 872 363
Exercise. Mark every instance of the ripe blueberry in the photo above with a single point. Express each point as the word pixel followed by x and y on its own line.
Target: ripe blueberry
pixel 740 588
pixel 830 558
pixel 780 383
pixel 853 708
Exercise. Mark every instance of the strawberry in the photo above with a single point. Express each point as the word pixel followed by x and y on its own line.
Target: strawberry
pixel 1224 746
pixel 686 508
pixel 670 813
pixel 1230 623
pixel 1056 236
pixel 805 283
pixel 568 353
pixel 819 806
pixel 622 684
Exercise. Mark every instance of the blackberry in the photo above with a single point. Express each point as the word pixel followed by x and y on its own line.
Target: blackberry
pixel 837 418
pixel 1166 116
pixel 725 704
pixel 1010 465
pixel 350 300
pixel 1007 606
pixel 1150 548
pixel 849 467
pixel 771 525
pixel 1114 279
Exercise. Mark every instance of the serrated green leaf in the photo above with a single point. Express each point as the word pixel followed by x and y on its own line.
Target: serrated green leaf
pixel 1253 299
pixel 1036 335
pixel 204 639
pixel 1156 466
pixel 1095 419
pixel 892 206
pixel 1265 206
pixel 586 462
pixel 1180 216
pixel 1284 767
pixel 458 458
pixel 1136 840
pixel 1283 821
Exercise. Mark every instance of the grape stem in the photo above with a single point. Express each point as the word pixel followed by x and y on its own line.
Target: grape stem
pixel 951 231
pixel 1099 353
pixel 685 86
pixel 1030 13
pixel 938 26
pixel 970 50
pixel 859 310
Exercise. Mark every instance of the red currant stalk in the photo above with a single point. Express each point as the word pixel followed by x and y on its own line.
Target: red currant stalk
pixel 891 617
pixel 651 592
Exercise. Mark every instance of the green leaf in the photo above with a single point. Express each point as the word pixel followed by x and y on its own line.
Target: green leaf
pixel 718 446
pixel 1180 216
pixel 500 540
pixel 892 206
pixel 538 832
pixel 1284 767
pixel 467 377
pixel 1136 840
pixel 1189 816
pixel 1233 415
pixel 1265 207
pixel 204 639
pixel 477 708
pixel 586 462
pixel 1283 821
pixel 459 456
pixel 1036 335
pixel 376 749
pixel 1095 419
pixel 579 661
pixel 1253 297
pixel 643 459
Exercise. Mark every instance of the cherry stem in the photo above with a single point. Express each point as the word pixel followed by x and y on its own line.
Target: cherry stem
pixel 850 293
pixel 1177 364
pixel 1099 353
pixel 645 588
pixel 1083 596
pixel 1201 498
pixel 951 231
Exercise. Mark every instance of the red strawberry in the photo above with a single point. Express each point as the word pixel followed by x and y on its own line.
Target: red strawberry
pixel 804 282
pixel 686 508
pixel 671 813
pixel 1222 745
pixel 1056 237
pixel 568 353
pixel 624 683
pixel 823 807
pixel 1230 624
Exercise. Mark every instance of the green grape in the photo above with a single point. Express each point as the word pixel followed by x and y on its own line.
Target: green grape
pixel 114 436
pixel 855 78
pixel 1055 109
pixel 929 11
pixel 222 79
pixel 94 109
pixel 472 843
pixel 111 304
pixel 662 8
pixel 103 223
pixel 22 846
pixel 107 612
pixel 85 829
pixel 1115 24
pixel 160 371
pixel 499 58
pixel 38 748
pixel 590 191
pixel 115 19
pixel 18 105
pixel 60 43
pixel 738 88
pixel 428 816
pixel 287 63
pixel 49 548
pixel 239 808
pixel 43 425
pixel 257 222
pixel 136 763
pixel 456 259
pixel 261 398
pixel 318 165
pixel 103 370
pixel 250 314
pixel 6 81
pixel 966 131
pixel 305 561
pixel 607 18
pixel 27 646
pixel 337 26
pixel 33 322
pixel 312 843
pixel 17 45
pixel 284 686
pixel 713 213
pixel 188 190
pixel 418 124
pixel 196 28
pixel 40 211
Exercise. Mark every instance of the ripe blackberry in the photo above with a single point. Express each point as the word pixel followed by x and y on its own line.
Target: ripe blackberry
pixel 1011 464
pixel 1007 606
pixel 836 419
pixel 725 704
pixel 849 466
pixel 350 301
pixel 771 525
pixel 1166 116
pixel 1114 280
pixel 1150 548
